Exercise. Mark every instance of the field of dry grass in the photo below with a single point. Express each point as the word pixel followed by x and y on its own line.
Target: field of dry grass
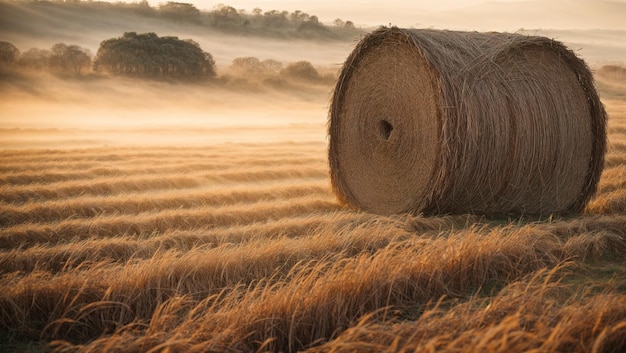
pixel 242 247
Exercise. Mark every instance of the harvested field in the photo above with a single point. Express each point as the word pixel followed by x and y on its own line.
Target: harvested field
pixel 243 247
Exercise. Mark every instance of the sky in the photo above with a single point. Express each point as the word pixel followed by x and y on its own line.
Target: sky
pixel 508 15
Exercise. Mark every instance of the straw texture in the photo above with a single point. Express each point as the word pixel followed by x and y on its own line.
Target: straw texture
pixel 463 122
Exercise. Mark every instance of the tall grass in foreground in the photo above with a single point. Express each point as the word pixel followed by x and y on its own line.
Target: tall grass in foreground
pixel 536 314
pixel 243 248
pixel 290 292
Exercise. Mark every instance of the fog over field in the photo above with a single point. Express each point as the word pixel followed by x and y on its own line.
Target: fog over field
pixel 41 109
pixel 136 111
pixel 58 113
pixel 596 28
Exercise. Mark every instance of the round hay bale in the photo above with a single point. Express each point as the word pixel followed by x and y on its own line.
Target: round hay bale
pixel 462 122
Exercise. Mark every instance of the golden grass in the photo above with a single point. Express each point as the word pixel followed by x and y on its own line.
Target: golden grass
pixel 93 206
pixel 47 176
pixel 149 181
pixel 242 247
pixel 536 314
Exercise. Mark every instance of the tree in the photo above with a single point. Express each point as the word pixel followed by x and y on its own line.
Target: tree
pixel 312 25
pixel 301 70
pixel 276 19
pixel 180 11
pixel 272 66
pixel 150 56
pixel 69 58
pixel 8 53
pixel 299 16
pixel 226 15
pixel 246 66
pixel 34 58
pixel 252 67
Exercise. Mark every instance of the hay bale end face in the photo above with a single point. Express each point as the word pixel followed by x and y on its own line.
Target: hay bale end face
pixel 463 122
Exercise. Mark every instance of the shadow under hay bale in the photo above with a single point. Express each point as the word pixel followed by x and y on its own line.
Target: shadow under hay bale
pixel 455 122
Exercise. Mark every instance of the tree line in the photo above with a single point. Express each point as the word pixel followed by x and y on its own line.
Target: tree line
pixel 61 58
pixel 133 55
pixel 224 18
pixel 228 18
pixel 296 23
pixel 272 72
pixel 148 56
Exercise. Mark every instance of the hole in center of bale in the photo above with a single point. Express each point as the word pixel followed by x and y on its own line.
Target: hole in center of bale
pixel 385 129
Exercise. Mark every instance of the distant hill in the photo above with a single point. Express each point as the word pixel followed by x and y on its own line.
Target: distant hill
pixel 73 21
pixel 229 33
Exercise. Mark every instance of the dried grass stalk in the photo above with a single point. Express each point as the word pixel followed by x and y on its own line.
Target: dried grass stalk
pixel 452 122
